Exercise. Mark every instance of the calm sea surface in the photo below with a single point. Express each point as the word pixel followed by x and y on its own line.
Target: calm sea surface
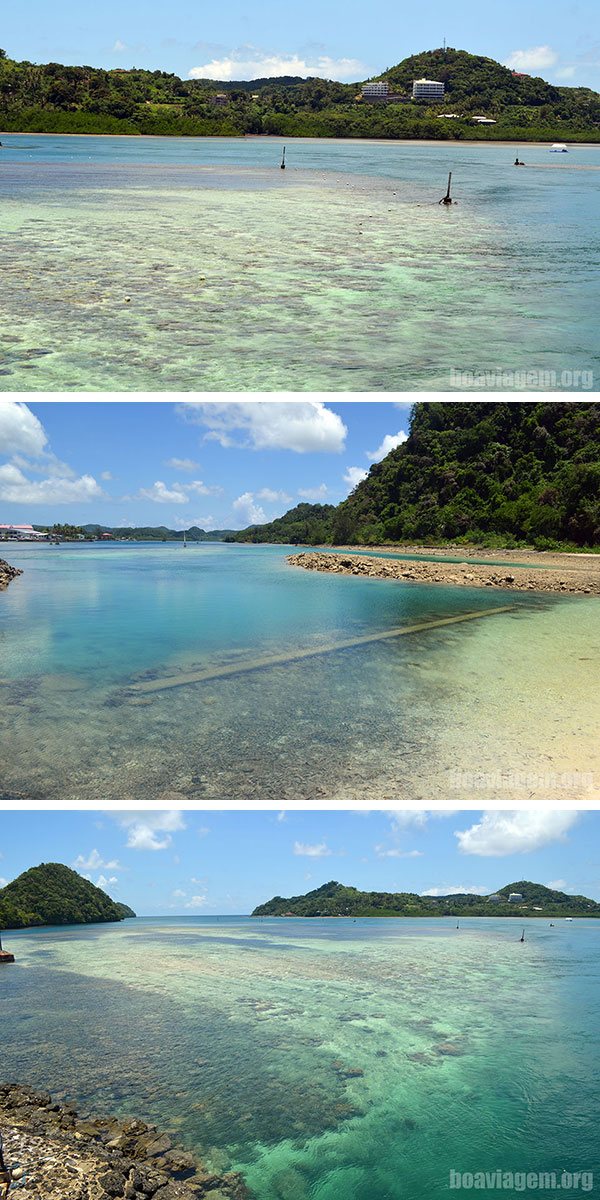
pixel 328 1060
pixel 165 263
pixel 501 706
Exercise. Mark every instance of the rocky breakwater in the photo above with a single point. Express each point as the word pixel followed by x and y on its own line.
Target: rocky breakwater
pixel 62 1156
pixel 568 581
pixel 7 573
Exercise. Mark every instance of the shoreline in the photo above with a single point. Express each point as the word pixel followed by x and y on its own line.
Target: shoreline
pixel 554 579
pixel 64 1156
pixel 273 137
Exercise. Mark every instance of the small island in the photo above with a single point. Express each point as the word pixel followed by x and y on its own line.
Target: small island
pixel 52 894
pixel 521 899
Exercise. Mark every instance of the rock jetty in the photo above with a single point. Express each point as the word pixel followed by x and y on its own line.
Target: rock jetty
pixel 567 580
pixel 7 573
pixel 62 1156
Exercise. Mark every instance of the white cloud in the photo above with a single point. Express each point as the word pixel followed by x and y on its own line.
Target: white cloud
pixel 535 59
pixel 182 464
pixel 390 441
pixel 247 507
pixel 95 862
pixel 557 885
pixel 103 882
pixel 314 493
pixel 321 850
pixel 20 430
pixel 307 426
pixel 282 816
pixel 520 832
pixel 197 902
pixel 271 496
pixel 394 852
pixel 119 47
pixel 178 894
pixel 178 493
pixel 453 890
pixel 16 488
pixel 3 882
pixel 161 494
pixel 152 830
pixel 248 62
pixel 565 72
pixel 355 475
pixel 106 476
pixel 205 522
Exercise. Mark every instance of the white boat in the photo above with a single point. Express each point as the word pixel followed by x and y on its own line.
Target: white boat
pixel 559 148
pixel 568 918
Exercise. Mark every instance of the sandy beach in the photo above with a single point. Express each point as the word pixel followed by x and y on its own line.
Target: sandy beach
pixel 571 574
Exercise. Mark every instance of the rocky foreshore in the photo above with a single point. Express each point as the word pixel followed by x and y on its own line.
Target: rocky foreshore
pixel 62 1156
pixel 584 581
pixel 7 573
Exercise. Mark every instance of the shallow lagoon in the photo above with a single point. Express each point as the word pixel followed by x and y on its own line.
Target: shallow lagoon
pixel 323 1058
pixel 503 706
pixel 197 264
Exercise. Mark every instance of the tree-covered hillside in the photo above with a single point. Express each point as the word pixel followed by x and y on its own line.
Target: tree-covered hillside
pixel 55 98
pixel 306 525
pixel 53 894
pixel 335 900
pixel 521 473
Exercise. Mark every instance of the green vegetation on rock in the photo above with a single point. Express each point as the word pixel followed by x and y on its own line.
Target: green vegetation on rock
pixel 507 474
pixel 53 98
pixel 335 900
pixel 306 525
pixel 53 894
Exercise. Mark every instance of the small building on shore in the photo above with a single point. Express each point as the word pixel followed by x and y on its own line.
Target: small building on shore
pixel 515 898
pixel 22 533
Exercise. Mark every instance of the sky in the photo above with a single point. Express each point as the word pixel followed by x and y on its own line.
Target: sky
pixel 349 41
pixel 208 863
pixel 215 465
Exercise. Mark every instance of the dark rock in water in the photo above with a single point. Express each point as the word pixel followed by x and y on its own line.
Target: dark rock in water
pixel 65 1157
pixel 449 1048
pixel 7 573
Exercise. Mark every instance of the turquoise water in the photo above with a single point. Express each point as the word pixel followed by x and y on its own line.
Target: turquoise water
pixel 86 629
pixel 196 264
pixel 325 1059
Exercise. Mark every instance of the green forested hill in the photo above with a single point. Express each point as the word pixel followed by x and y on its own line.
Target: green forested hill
pixel 494 474
pixel 515 472
pixel 54 98
pixel 335 900
pixel 306 524
pixel 53 894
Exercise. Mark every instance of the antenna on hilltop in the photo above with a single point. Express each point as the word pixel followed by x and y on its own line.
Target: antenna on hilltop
pixel 444 48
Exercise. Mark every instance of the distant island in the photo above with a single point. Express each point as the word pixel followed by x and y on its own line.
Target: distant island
pixel 521 899
pixel 480 100
pixel 52 894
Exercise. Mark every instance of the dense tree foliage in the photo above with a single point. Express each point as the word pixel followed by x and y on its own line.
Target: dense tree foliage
pixel 335 900
pixel 512 472
pixel 53 98
pixel 306 525
pixel 53 894
pixel 505 474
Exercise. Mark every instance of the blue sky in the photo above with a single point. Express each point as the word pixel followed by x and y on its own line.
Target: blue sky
pixel 559 41
pixel 215 465
pixel 216 862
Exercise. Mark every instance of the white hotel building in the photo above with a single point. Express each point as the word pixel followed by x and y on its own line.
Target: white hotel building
pixel 427 89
